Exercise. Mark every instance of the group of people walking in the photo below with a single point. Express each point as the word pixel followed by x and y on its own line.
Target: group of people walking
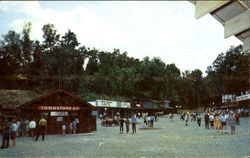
pixel 218 120
pixel 127 123
pixel 149 121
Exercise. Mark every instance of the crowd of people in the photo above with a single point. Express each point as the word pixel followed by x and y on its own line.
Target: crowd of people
pixel 215 119
pixel 12 128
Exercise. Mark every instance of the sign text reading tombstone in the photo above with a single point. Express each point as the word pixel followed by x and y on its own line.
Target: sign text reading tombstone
pixel 67 108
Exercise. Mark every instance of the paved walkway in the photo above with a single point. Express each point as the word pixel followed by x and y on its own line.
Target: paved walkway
pixel 172 139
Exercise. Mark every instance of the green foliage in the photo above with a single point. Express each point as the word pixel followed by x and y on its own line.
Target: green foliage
pixel 61 62
pixel 229 73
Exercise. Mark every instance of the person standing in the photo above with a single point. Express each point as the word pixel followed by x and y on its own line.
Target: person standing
pixel 145 121
pixel 152 118
pixel 182 117
pixel 13 128
pixel 26 128
pixel 224 123
pixel 133 120
pixel 100 116
pixel 217 123
pixel 211 119
pixel 18 127
pixel 127 122
pixel 156 117
pixel 22 128
pixel 41 128
pixel 199 120
pixel 6 134
pixel 232 123
pixel 70 128
pixel 149 121
pixel 171 116
pixel 63 129
pixel 186 119
pixel 206 119
pixel 237 117
pixel 74 126
pixel 32 127
pixel 121 121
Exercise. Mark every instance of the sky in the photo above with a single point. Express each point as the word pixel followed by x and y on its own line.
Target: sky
pixel 164 29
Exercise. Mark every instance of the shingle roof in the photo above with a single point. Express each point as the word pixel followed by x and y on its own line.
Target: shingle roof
pixel 11 99
pixel 55 92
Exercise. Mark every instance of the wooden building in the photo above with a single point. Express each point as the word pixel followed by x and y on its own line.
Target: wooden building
pixel 60 107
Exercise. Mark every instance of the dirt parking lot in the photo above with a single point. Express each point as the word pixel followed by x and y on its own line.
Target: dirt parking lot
pixel 170 139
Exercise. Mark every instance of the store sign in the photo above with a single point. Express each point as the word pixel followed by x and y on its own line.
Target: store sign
pixel 114 104
pixel 138 105
pixel 125 105
pixel 58 113
pixel 243 97
pixel 228 98
pixel 106 103
pixel 67 108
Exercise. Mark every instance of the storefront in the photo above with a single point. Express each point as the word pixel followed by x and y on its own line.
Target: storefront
pixel 60 107
pixel 110 109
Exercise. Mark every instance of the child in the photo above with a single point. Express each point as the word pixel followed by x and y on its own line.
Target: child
pixel 63 129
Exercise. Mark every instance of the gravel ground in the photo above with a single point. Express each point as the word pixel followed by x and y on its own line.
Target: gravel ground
pixel 171 139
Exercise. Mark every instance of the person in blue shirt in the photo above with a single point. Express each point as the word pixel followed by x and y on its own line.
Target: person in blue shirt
pixel 133 120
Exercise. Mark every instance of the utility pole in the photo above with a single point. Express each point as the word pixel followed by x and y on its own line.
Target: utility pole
pixel 60 71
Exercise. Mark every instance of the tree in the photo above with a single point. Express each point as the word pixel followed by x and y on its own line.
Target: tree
pixel 10 54
pixel 229 74
pixel 50 36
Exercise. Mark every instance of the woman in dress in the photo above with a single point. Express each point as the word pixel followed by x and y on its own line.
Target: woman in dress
pixel 217 123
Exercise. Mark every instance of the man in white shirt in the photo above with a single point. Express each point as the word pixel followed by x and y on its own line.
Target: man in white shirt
pixel 211 119
pixel 32 127
pixel 224 122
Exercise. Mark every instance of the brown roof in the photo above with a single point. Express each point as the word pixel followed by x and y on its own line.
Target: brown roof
pixel 11 99
pixel 55 92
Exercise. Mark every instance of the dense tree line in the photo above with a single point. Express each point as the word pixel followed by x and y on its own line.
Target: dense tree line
pixel 61 62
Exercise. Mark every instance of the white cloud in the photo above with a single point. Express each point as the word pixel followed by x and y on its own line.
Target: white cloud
pixel 165 29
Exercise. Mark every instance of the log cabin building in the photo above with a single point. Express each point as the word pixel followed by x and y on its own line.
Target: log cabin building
pixel 60 107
